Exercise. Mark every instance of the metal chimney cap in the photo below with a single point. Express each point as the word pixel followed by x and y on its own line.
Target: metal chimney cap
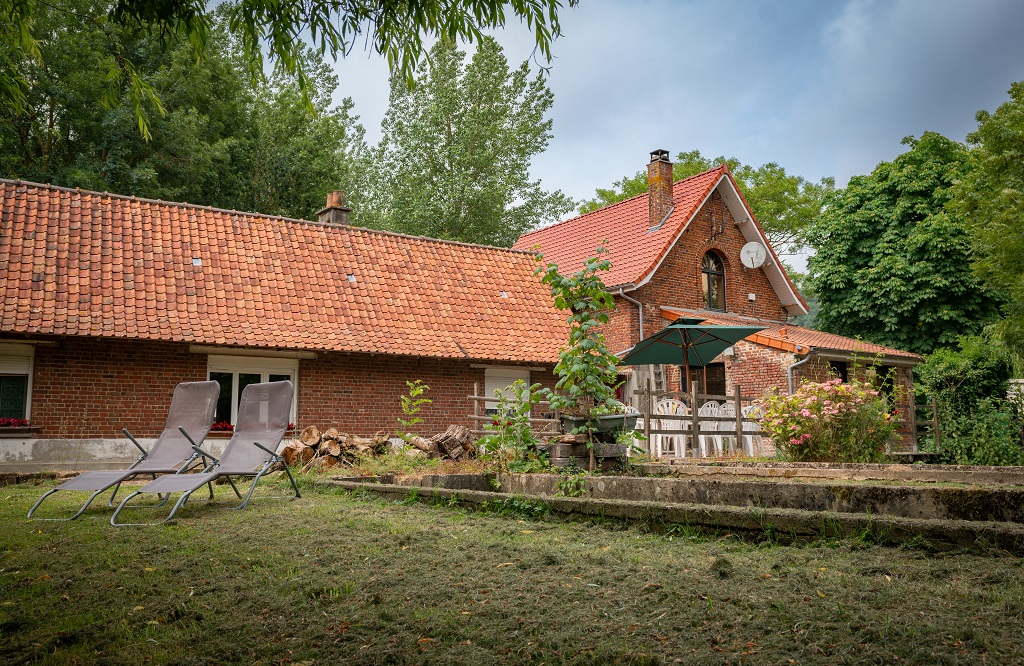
pixel 660 155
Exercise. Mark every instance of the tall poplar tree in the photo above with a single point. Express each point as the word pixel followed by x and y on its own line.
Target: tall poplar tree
pixel 456 149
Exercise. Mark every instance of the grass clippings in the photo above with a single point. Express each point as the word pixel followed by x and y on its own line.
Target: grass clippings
pixel 344 578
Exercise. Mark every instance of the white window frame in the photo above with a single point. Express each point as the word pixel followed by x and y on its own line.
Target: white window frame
pixel 262 365
pixel 499 379
pixel 18 359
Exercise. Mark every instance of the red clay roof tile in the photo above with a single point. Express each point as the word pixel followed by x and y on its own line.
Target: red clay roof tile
pixel 788 337
pixel 635 249
pixel 263 281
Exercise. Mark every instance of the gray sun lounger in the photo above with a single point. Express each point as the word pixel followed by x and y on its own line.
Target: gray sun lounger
pixel 262 420
pixel 192 407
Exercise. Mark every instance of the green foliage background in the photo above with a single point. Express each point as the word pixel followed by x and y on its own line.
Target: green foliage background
pixel 892 264
pixel 223 140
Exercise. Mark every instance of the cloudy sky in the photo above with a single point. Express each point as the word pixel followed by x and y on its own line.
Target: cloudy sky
pixel 824 88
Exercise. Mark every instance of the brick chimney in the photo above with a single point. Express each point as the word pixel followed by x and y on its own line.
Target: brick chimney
pixel 336 211
pixel 659 187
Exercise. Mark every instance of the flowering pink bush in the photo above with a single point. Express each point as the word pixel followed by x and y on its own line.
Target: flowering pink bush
pixel 829 422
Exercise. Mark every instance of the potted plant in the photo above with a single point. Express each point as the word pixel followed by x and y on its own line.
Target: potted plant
pixel 587 374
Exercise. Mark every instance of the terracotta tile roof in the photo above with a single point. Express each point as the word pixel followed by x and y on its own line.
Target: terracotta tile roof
pixel 795 339
pixel 634 250
pixel 89 264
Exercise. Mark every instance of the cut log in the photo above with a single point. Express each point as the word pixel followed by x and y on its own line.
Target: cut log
pixel 291 453
pixel 310 436
pixel 381 443
pixel 330 447
pixel 423 444
pixel 306 453
pixel 330 433
pixel 451 443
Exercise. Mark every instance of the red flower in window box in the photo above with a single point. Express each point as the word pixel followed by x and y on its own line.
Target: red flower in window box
pixel 8 422
pixel 222 426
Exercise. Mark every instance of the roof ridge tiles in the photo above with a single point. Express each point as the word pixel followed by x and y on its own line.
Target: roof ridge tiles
pixel 185 204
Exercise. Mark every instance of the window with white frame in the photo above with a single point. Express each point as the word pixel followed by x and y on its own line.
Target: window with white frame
pixel 499 379
pixel 234 373
pixel 16 381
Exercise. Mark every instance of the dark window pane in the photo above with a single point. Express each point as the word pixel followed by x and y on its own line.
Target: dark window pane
pixel 885 381
pixel 711 383
pixel 280 378
pixel 244 379
pixel 840 369
pixel 224 399
pixel 13 396
pixel 713 282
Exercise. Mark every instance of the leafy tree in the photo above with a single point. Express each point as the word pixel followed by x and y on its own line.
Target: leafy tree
pixel 991 199
pixel 785 205
pixel 961 376
pixel 587 371
pixel 396 30
pixel 977 423
pixel 222 141
pixel 892 265
pixel 455 154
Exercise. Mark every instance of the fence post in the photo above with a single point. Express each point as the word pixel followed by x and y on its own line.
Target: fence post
pixel 695 419
pixel 738 440
pixel 647 415
pixel 935 424
pixel 912 419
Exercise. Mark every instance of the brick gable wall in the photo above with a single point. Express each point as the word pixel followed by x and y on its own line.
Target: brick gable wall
pixel 677 283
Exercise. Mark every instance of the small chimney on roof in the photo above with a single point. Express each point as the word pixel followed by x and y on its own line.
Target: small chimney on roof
pixel 336 211
pixel 659 187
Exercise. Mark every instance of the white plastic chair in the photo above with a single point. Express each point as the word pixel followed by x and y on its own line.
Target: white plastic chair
pixel 674 443
pixel 727 409
pixel 709 438
pixel 637 428
pixel 751 429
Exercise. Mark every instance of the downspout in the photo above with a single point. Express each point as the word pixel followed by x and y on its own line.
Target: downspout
pixel 639 310
pixel 793 366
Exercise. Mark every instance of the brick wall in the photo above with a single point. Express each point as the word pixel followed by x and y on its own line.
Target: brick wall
pixel 88 387
pixel 361 393
pixel 757 369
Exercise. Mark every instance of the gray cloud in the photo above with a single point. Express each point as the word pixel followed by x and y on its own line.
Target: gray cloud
pixel 825 89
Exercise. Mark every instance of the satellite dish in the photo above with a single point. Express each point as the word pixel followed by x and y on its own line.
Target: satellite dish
pixel 753 255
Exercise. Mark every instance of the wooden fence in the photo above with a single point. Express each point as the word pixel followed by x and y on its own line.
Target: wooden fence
pixel 541 427
pixel 727 426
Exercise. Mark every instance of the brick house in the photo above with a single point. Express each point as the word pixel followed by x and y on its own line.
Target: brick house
pixel 677 251
pixel 109 301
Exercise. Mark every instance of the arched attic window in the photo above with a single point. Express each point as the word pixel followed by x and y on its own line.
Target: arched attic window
pixel 712 281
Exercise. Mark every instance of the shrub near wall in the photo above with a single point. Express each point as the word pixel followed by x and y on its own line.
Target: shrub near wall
pixel 829 422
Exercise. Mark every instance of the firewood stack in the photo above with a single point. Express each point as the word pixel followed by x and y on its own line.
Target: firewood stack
pixel 331 448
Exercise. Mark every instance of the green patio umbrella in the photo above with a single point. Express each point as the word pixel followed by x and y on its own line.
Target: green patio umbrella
pixel 686 342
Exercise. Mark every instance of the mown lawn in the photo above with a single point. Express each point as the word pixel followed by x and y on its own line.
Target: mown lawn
pixel 336 578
